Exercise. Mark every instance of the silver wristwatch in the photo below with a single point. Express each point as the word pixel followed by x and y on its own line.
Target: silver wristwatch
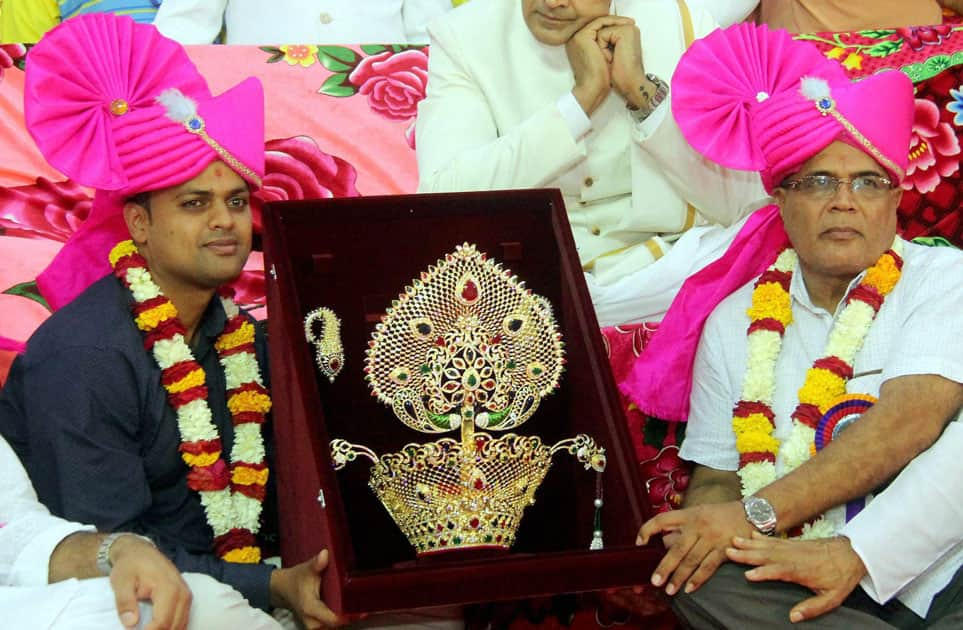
pixel 760 514
pixel 654 100
pixel 104 564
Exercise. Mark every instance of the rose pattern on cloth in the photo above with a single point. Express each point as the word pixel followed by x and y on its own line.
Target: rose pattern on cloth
pixel 934 149
pixel 297 168
pixel 393 78
pixel 393 82
pixel 919 36
pixel 47 209
pixel 666 478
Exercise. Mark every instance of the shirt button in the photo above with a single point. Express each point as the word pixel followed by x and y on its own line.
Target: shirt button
pixel 326 18
pixel 596 230
pixel 588 182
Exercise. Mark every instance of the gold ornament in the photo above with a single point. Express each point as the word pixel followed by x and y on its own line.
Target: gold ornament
pixel 466 346
pixel 329 353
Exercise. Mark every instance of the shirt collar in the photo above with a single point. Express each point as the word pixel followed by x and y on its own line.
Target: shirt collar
pixel 800 295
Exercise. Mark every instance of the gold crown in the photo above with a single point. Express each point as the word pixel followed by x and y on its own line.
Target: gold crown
pixel 443 496
pixel 465 346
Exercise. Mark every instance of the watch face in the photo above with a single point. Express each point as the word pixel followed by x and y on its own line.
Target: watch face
pixel 761 514
pixel 759 510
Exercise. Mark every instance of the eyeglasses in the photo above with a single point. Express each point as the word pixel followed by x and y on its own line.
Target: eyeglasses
pixel 825 186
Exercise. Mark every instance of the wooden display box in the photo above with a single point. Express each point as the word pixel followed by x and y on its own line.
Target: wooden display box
pixel 354 256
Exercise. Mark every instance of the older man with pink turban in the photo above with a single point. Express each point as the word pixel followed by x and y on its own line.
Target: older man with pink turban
pixel 813 361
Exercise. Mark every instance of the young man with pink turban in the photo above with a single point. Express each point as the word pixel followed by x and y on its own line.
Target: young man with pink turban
pixel 140 405
pixel 813 361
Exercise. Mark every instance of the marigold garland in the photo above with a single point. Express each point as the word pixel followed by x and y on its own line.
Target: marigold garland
pixel 753 419
pixel 233 495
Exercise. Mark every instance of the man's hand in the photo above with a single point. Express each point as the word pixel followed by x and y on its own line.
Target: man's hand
pixel 696 541
pixel 298 589
pixel 622 44
pixel 590 60
pixel 830 568
pixel 140 572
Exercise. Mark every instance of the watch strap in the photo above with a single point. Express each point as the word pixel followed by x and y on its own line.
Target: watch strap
pixel 104 563
pixel 654 100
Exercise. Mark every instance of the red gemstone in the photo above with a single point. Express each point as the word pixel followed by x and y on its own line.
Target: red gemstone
pixel 497 339
pixel 440 341
pixel 473 523
pixel 335 364
pixel 479 484
pixel 470 292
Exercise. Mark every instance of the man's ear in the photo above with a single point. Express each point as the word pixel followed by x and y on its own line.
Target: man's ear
pixel 779 198
pixel 898 195
pixel 137 219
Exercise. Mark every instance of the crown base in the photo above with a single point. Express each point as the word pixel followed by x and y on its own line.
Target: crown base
pixel 446 495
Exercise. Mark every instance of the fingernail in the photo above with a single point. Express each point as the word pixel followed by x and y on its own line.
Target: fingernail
pixel 656 579
pixel 795 616
pixel 129 619
pixel 638 540
pixel 670 589
pixel 689 587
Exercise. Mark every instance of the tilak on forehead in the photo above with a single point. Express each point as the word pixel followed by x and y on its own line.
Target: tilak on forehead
pixel 140 117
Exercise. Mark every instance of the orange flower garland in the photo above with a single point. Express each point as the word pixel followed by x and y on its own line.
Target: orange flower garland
pixel 753 419
pixel 233 495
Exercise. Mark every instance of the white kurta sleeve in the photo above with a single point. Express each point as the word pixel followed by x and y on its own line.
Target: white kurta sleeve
pixel 459 146
pixel 418 14
pixel 913 523
pixel 721 195
pixel 28 533
pixel 726 12
pixel 191 21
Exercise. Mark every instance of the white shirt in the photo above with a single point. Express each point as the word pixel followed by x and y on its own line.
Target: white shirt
pixel 912 334
pixel 28 536
pixel 299 21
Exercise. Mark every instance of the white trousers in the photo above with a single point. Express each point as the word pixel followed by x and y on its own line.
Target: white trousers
pixel 89 605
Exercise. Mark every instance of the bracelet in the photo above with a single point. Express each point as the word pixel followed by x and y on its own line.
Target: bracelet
pixel 104 564
pixel 654 100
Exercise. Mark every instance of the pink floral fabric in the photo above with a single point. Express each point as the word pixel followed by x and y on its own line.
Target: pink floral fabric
pixel 934 149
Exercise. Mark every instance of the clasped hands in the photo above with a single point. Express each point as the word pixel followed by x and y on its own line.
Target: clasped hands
pixel 604 54
pixel 700 538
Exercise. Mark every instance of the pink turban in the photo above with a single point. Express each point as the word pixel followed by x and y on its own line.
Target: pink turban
pixel 116 106
pixel 754 99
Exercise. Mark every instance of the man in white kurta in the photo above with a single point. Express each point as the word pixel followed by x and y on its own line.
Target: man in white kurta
pixel 29 536
pixel 502 112
pixel 299 21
